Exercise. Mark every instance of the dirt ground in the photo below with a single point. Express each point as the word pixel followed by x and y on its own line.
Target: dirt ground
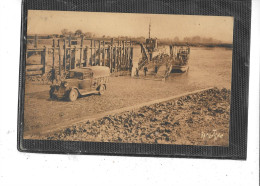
pixel 198 119
pixel 121 92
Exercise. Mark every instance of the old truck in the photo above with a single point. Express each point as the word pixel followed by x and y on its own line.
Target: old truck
pixel 83 81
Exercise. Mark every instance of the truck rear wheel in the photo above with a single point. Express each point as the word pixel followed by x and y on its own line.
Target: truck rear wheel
pixel 73 95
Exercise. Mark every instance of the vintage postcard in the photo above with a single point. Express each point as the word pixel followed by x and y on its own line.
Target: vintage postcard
pixel 128 78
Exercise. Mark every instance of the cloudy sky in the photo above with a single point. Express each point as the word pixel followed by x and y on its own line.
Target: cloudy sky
pixel 126 24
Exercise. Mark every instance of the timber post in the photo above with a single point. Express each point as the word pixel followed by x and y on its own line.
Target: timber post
pixel 171 51
pixel 109 57
pixel 115 63
pixel 65 55
pixel 131 58
pixel 112 53
pixel 43 62
pixel 94 53
pixel 99 52
pixel 120 54
pixel 123 61
pixel 59 57
pixel 70 52
pixel 86 62
pixel 103 54
pixel 53 62
pixel 74 58
pixel 53 54
pixel 91 52
pixel 36 41
pixel 81 48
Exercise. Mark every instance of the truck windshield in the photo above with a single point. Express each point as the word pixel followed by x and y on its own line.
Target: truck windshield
pixel 75 75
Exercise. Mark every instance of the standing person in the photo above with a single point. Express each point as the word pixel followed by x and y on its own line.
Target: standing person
pixel 137 72
pixel 156 69
pixel 52 77
pixel 145 71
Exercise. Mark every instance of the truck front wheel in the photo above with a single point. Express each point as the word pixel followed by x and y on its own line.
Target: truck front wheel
pixel 73 95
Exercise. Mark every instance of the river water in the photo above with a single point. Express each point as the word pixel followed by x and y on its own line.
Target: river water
pixel 207 66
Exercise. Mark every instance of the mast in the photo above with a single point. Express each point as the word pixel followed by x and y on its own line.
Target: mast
pixel 150 29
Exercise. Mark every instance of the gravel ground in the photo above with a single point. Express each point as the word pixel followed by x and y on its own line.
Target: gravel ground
pixel 198 119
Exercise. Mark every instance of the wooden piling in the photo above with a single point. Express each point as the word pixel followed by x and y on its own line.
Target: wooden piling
pixel 120 54
pixel 115 61
pixel 65 55
pixel 70 53
pixel 123 60
pixel 91 50
pixel 53 61
pixel 53 56
pixel 36 41
pixel 95 51
pixel 43 62
pixel 103 54
pixel 126 58
pixel 74 58
pixel 131 57
pixel 112 52
pixel 109 56
pixel 86 56
pixel 59 48
pixel 81 49
pixel 99 52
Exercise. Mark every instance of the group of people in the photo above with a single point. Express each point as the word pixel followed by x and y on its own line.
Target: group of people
pixel 137 71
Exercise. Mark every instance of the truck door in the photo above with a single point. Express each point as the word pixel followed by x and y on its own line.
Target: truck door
pixel 86 81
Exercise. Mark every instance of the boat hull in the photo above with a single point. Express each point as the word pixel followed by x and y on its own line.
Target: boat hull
pixel 181 69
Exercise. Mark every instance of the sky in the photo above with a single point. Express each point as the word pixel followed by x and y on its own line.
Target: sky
pixel 128 24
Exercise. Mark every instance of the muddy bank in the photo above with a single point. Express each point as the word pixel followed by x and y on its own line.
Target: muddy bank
pixel 198 119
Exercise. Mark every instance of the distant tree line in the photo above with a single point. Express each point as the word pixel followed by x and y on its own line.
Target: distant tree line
pixel 195 40
pixel 77 33
pixel 192 40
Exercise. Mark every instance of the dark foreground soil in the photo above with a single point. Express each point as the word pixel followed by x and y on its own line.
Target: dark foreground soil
pixel 197 119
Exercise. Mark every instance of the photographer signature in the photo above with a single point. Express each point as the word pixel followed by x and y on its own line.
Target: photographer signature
pixel 213 135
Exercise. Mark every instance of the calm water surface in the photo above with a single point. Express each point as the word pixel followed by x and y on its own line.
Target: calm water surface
pixel 207 66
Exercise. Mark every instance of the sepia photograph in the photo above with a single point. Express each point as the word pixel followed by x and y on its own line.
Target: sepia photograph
pixel 97 92
pixel 128 78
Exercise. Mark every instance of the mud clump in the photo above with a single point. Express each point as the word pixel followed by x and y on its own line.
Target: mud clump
pixel 189 120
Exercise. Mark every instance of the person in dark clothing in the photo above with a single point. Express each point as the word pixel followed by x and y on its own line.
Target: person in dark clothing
pixel 52 77
pixel 156 69
pixel 137 72
pixel 145 70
